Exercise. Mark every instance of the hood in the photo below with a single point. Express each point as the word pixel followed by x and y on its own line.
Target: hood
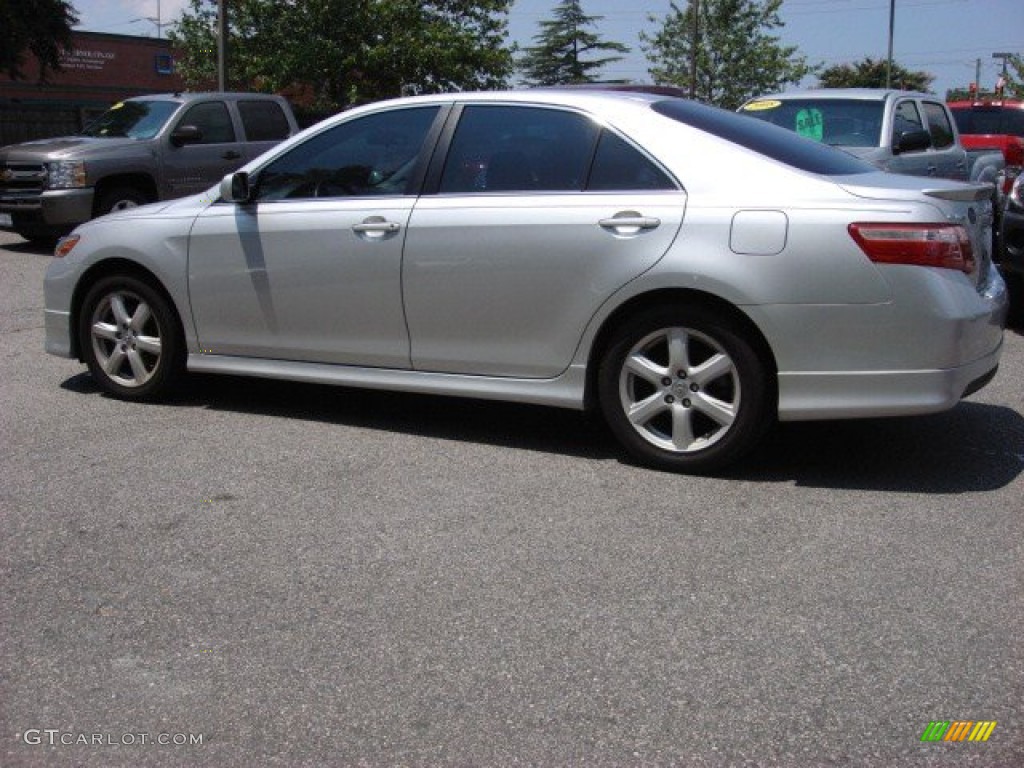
pixel 182 207
pixel 64 148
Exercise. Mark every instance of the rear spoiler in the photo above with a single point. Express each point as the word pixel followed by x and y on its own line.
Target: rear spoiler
pixel 965 193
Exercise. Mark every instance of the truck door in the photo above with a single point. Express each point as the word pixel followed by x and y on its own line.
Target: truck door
pixel 949 157
pixel 198 165
pixel 907 117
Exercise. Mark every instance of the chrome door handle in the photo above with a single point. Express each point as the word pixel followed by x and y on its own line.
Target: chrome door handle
pixel 376 225
pixel 628 223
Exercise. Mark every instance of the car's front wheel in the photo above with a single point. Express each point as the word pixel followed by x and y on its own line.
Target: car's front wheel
pixel 130 338
pixel 683 389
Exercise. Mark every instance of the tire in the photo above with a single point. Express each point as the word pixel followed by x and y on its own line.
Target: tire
pixel 131 339
pixel 683 390
pixel 119 199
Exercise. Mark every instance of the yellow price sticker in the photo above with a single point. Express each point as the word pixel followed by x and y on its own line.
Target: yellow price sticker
pixel 759 106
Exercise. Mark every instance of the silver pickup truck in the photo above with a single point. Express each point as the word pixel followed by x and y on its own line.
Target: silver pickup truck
pixel 141 150
pixel 899 131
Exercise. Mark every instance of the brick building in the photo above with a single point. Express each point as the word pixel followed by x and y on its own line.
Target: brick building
pixel 98 71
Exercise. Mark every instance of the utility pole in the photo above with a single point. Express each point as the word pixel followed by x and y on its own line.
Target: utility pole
pixel 222 45
pixel 892 29
pixel 694 43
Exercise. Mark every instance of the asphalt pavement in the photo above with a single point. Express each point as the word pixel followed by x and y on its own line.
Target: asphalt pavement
pixel 271 574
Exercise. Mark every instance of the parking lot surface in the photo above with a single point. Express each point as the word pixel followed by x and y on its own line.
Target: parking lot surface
pixel 266 573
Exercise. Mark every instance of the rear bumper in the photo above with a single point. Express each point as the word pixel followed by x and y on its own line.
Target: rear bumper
pixel 809 396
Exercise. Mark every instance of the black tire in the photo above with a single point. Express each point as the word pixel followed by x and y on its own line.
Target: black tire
pixel 119 198
pixel 131 339
pixel 700 394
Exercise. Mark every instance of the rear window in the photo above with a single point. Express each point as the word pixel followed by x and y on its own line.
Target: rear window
pixel 769 140
pixel 994 120
pixel 263 121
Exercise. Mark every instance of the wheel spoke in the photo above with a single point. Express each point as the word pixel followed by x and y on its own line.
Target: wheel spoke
pixel 713 368
pixel 148 344
pixel 138 366
pixel 642 412
pixel 120 312
pixel 717 410
pixel 112 365
pixel 678 349
pixel 682 428
pixel 141 317
pixel 646 369
pixel 104 331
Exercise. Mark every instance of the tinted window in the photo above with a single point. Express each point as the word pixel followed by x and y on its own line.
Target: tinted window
pixel 263 121
pixel 993 120
pixel 840 122
pixel 618 166
pixel 938 125
pixel 906 118
pixel 372 155
pixel 513 149
pixel 769 140
pixel 213 120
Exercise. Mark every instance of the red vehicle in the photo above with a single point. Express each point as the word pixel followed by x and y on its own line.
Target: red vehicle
pixel 993 124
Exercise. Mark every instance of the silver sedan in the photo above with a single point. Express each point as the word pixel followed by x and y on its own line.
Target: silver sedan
pixel 693 273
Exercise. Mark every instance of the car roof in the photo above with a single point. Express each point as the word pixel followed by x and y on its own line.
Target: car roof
pixel 185 96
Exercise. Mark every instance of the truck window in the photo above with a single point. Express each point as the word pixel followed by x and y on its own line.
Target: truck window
pixel 906 118
pixel 212 118
pixel 938 125
pixel 263 121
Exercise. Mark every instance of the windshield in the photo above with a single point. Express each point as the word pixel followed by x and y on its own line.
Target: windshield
pixel 132 120
pixel 839 122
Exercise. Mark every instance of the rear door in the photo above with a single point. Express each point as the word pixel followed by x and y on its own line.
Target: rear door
pixel 539 215
pixel 264 124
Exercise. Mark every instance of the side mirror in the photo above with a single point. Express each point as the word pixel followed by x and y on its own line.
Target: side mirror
pixel 235 187
pixel 186 134
pixel 912 141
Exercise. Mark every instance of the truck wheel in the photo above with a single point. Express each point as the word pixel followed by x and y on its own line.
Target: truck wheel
pixel 119 199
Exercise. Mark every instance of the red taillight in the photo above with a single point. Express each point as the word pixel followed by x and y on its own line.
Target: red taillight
pixel 924 245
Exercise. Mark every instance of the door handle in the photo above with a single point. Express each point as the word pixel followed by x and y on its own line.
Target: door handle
pixel 932 170
pixel 376 225
pixel 629 223
pixel 231 155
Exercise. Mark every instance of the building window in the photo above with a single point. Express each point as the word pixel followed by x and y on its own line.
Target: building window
pixel 164 64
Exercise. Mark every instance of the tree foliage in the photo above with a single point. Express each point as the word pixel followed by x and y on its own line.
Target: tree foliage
pixel 870 73
pixel 737 56
pixel 334 53
pixel 564 45
pixel 41 27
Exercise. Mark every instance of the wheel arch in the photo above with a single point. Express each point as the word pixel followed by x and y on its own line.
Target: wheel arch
pixel 670 297
pixel 140 181
pixel 108 268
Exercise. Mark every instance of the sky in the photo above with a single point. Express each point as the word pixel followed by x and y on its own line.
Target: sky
pixel 942 37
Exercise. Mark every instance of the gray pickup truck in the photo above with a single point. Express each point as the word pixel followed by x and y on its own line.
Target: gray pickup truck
pixel 899 131
pixel 141 150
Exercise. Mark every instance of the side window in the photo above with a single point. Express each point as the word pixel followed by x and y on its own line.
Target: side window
pixel 938 125
pixel 213 120
pixel 519 149
pixel 619 166
pixel 372 155
pixel 263 121
pixel 906 118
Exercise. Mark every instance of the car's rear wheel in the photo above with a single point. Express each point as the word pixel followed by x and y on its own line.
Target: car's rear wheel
pixel 130 338
pixel 682 389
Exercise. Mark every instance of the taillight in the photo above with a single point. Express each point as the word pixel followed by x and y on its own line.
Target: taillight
pixel 924 245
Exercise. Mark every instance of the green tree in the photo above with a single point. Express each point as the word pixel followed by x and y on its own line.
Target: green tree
pixel 42 27
pixel 1014 88
pixel 870 73
pixel 334 53
pixel 564 45
pixel 737 56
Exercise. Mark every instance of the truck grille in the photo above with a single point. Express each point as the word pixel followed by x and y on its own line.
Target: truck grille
pixel 18 178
